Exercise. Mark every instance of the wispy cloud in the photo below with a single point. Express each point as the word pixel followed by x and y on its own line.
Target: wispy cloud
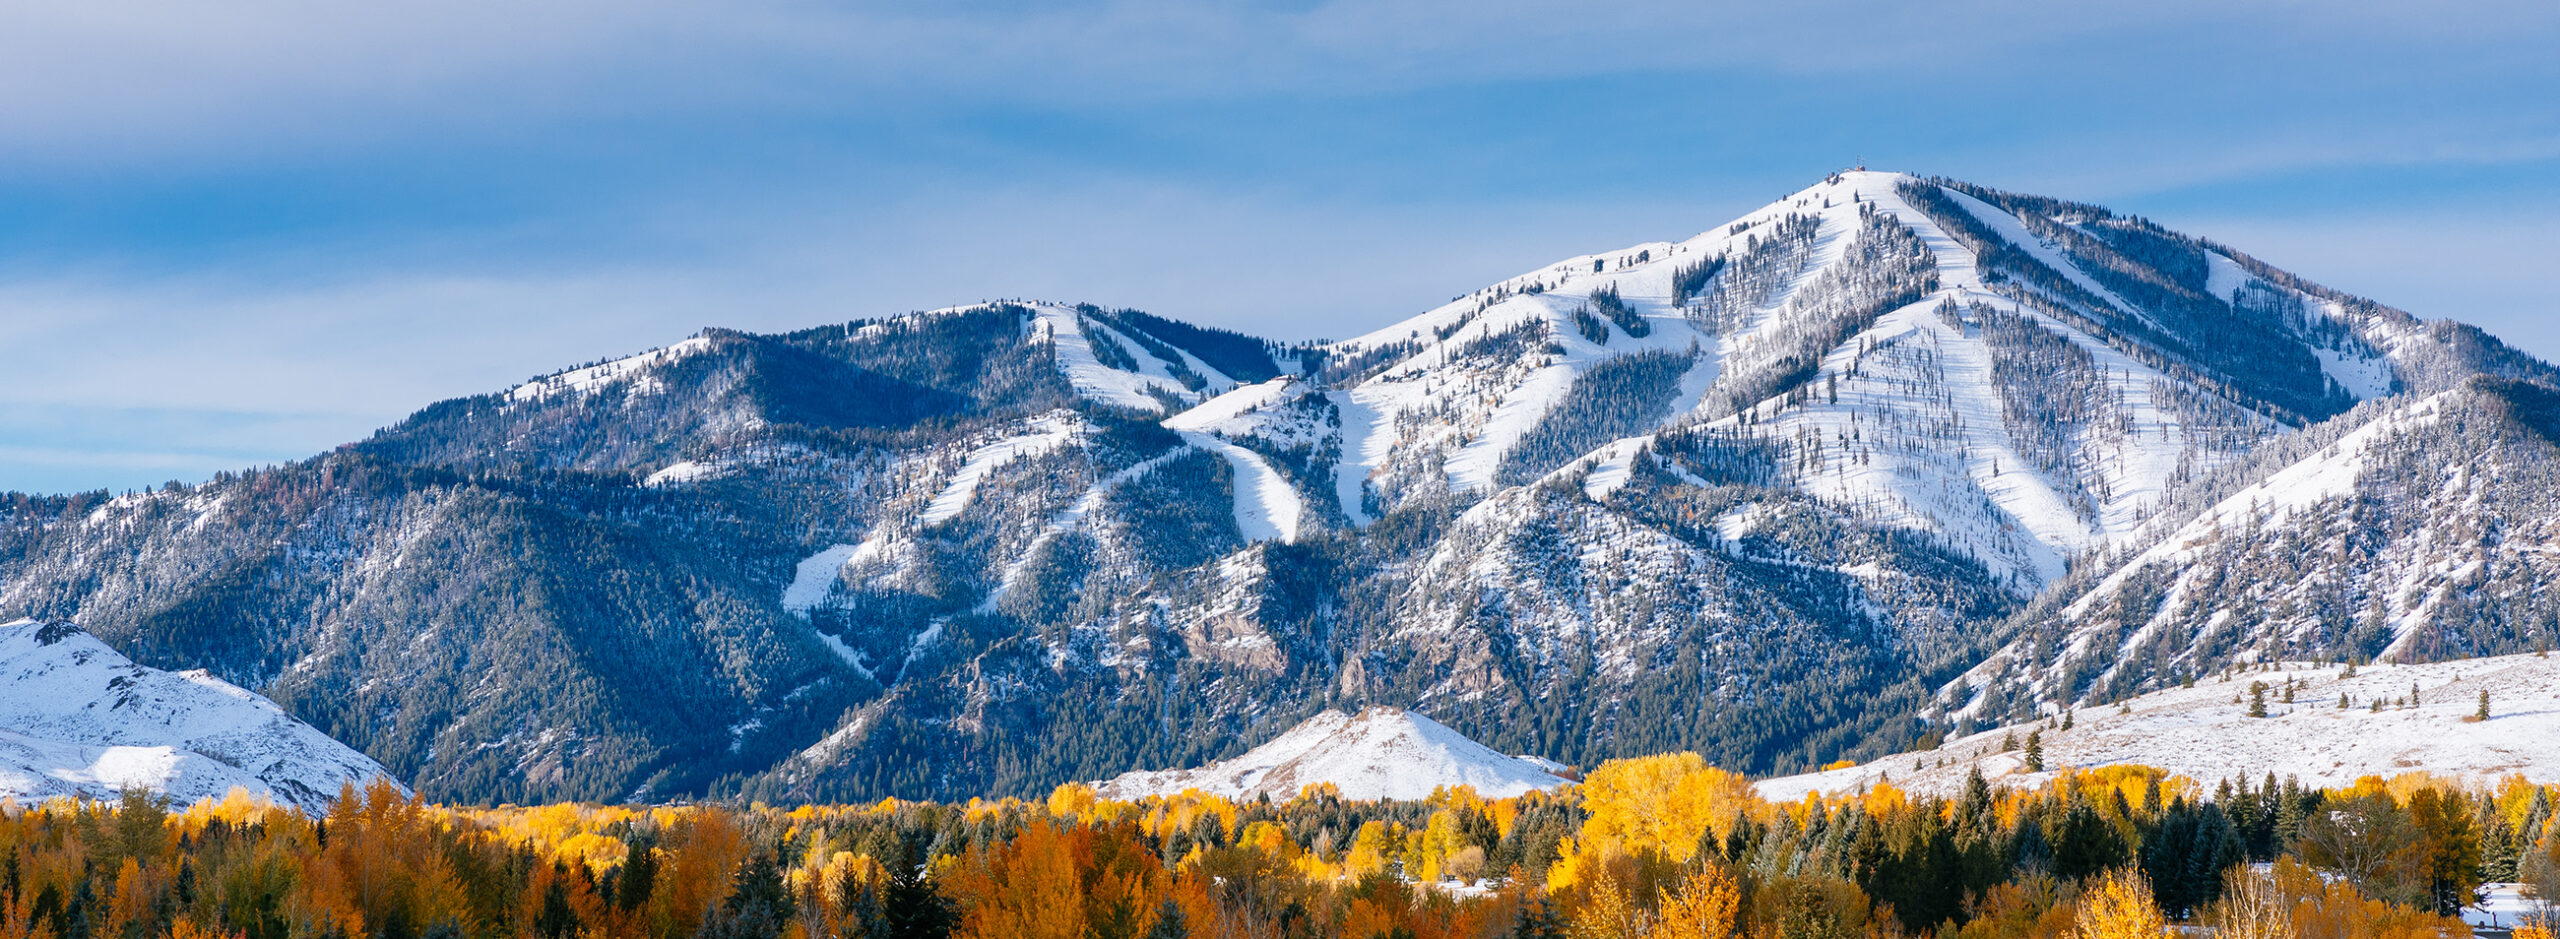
pixel 243 208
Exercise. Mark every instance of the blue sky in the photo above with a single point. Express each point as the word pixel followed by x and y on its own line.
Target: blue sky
pixel 241 233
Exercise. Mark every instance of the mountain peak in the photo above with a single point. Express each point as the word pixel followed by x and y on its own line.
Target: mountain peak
pixel 1379 753
pixel 1648 498
pixel 79 719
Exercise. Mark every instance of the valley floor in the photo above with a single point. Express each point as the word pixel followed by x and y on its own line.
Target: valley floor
pixel 2205 732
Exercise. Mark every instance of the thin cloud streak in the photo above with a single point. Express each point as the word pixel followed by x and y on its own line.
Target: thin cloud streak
pixel 232 78
pixel 244 209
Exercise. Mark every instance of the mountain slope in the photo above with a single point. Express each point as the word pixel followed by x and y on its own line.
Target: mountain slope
pixel 1379 753
pixel 77 719
pixel 2413 531
pixel 2205 732
pixel 1769 492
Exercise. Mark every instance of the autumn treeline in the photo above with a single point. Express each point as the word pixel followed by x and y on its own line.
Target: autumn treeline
pixel 1649 848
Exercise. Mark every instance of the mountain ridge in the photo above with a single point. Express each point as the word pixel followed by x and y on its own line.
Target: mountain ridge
pixel 186 735
pixel 1772 492
pixel 1379 753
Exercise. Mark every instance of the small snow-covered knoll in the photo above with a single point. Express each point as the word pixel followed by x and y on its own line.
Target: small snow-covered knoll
pixel 1379 753
pixel 2205 732
pixel 79 719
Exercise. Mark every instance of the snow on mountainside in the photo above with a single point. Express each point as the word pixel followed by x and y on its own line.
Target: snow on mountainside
pixel 1867 335
pixel 2205 732
pixel 1762 492
pixel 77 719
pixel 2412 531
pixel 1379 753
pixel 1107 359
pixel 1116 367
pixel 580 381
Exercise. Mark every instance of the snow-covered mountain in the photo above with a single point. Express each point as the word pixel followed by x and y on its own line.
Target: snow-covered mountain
pixel 1379 753
pixel 1889 451
pixel 2415 529
pixel 2330 733
pixel 1979 371
pixel 78 719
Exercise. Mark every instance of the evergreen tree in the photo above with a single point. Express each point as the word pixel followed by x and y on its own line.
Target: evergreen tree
pixel 2085 843
pixel 638 876
pixel 1537 920
pixel 914 909
pixel 760 905
pixel 1169 923
pixel 556 919
pixel 2186 854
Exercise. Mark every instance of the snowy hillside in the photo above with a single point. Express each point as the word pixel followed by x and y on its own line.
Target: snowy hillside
pixel 2409 530
pixel 77 719
pixel 2206 733
pixel 1379 753
pixel 1891 449
pixel 1857 326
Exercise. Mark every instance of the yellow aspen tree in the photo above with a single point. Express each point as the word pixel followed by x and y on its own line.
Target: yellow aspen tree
pixel 1371 849
pixel 1702 908
pixel 1440 840
pixel 1027 889
pixel 1577 863
pixel 1073 802
pixel 130 902
pixel 2119 907
pixel 184 927
pixel 1663 803
pixel 1607 913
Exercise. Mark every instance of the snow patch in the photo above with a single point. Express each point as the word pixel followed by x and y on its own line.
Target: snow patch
pixel 2203 733
pixel 580 381
pixel 851 657
pixel 1209 414
pixel 1065 328
pixel 815 577
pixel 1267 508
pixel 1048 434
pixel 79 719
pixel 2225 277
pixel 684 472
pixel 1380 753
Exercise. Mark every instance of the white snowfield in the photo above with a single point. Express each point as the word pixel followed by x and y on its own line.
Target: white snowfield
pixel 2306 485
pixel 79 719
pixel 1047 434
pixel 1226 407
pixel 587 380
pixel 1066 329
pixel 2205 734
pixel 1379 753
pixel 1267 508
pixel 816 575
pixel 1911 427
